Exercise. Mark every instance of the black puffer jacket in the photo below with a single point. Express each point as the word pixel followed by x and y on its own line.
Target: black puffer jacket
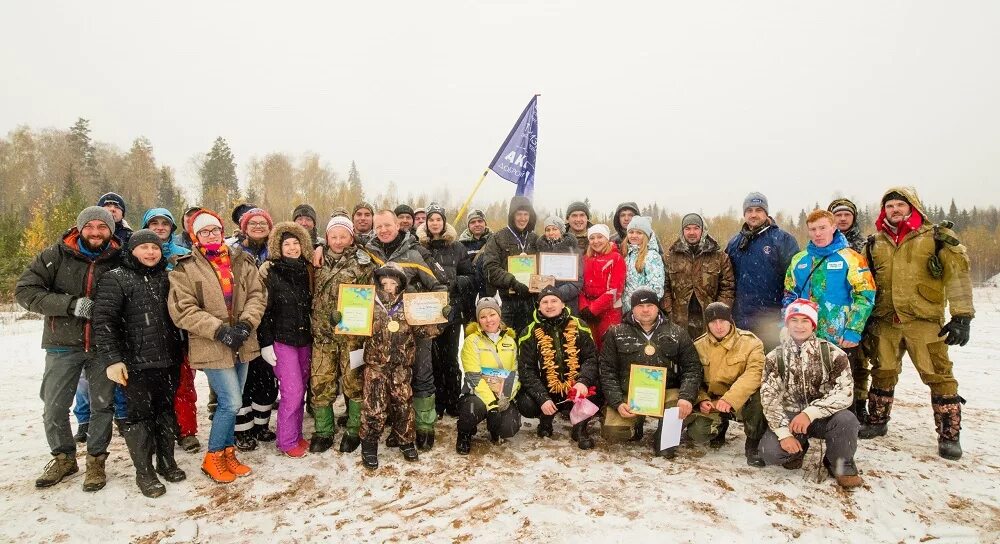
pixel 289 284
pixel 58 276
pixel 530 359
pixel 624 345
pixel 452 261
pixel 504 244
pixel 131 321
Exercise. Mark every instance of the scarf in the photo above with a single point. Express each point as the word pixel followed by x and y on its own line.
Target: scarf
pixel 749 235
pixel 218 256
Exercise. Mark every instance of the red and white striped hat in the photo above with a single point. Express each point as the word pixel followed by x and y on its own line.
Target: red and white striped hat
pixel 803 307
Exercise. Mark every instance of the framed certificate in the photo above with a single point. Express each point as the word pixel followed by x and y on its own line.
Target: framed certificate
pixel 647 387
pixel 563 266
pixel 536 283
pixel 522 267
pixel 356 304
pixel 425 308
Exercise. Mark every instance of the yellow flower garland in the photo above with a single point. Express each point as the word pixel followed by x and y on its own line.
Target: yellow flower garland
pixel 545 345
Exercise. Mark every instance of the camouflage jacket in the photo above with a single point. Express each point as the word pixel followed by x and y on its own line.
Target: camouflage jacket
pixel 351 267
pixel 707 276
pixel 385 348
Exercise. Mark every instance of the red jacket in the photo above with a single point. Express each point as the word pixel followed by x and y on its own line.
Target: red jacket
pixel 603 283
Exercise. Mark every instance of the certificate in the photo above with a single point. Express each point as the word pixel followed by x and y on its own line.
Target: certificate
pixel 647 387
pixel 564 266
pixel 522 267
pixel 536 283
pixel 356 304
pixel 425 308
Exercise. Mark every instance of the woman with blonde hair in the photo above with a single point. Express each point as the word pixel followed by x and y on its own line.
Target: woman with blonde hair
pixel 643 268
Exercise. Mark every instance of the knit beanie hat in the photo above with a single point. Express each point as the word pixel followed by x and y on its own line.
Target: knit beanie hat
pixel 643 224
pixel 143 236
pixel 239 210
pixel 804 307
pixel 692 219
pixel 204 220
pixel 895 195
pixel 92 213
pixel 403 208
pixel 475 214
pixel 113 198
pixel 718 310
pixel 755 199
pixel 419 210
pixel 304 210
pixel 487 303
pixel 843 205
pixel 435 208
pixel 548 290
pixel 364 205
pixel 643 295
pixel 554 221
pixel 255 212
pixel 342 222
pixel 341 211
pixel 599 228
pixel 577 207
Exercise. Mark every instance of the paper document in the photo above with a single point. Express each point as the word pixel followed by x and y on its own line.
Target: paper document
pixel 670 436
pixel 357 358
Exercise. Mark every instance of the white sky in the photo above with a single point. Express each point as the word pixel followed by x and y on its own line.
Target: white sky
pixel 689 103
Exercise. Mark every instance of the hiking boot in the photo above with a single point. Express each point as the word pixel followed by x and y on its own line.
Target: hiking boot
pixel 879 410
pixel 95 479
pixel 849 481
pixel 544 426
pixel 349 443
pixel 216 468
pixel 409 452
pixel 81 432
pixel 189 443
pixel 719 440
pixel 369 454
pixel 846 481
pixel 948 421
pixel 583 439
pixel 245 441
pixel 425 440
pixel 234 464
pixel 319 444
pixel 59 467
pixel 463 445
pixel 752 451
pixel 263 434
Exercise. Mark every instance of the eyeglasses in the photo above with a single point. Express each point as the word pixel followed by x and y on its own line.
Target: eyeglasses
pixel 257 224
pixel 214 231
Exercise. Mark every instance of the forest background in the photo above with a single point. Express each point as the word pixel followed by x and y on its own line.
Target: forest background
pixel 48 175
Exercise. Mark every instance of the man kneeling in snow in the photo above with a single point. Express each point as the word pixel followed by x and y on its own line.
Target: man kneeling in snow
pixel 806 392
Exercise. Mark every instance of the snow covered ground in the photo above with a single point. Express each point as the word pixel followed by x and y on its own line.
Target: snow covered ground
pixel 529 489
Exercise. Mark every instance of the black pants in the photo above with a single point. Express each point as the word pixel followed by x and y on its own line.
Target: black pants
pixel 259 394
pixel 472 410
pixel 150 392
pixel 517 312
pixel 447 376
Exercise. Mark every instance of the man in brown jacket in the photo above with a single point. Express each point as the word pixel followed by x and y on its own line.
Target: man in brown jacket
pixel 919 268
pixel 733 360
pixel 698 273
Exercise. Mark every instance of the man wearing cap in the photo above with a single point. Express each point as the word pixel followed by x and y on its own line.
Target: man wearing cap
pixel 646 337
pixel 305 215
pixel 919 268
pixel 733 360
pixel 845 214
pixel 59 284
pixel 419 217
pixel 237 216
pixel 517 238
pixel 363 217
pixel 698 273
pixel 577 223
pixel 115 204
pixel 760 253
pixel 474 237
pixel 806 392
pixel 404 214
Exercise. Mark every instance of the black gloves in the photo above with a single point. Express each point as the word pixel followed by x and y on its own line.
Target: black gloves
pixel 335 317
pixel 957 331
pixel 233 337
pixel 521 289
pixel 587 315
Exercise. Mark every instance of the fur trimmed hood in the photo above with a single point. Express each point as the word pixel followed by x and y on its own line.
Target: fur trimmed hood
pixel 274 239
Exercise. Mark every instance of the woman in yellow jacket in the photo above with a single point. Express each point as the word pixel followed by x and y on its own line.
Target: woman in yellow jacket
pixel 489 360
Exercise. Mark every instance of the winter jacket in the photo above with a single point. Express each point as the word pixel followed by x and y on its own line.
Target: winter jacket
pixel 483 359
pixel 531 359
pixel 289 282
pixel 53 281
pixel 131 321
pixel 452 260
pixel 837 279
pixel 625 344
pixel 197 305
pixel 387 349
pixel 906 288
pixel 760 259
pixel 619 232
pixel 806 386
pixel 354 267
pixel 421 275
pixel 603 284
pixel 569 291
pixel 707 276
pixel 123 232
pixel 480 287
pixel 171 249
pixel 506 243
pixel 258 251
pixel 732 366
pixel 652 275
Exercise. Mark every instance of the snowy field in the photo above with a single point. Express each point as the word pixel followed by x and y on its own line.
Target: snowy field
pixel 529 489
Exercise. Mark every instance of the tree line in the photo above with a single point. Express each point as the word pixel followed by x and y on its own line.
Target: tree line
pixel 48 175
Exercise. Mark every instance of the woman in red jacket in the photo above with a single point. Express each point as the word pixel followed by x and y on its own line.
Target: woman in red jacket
pixel 603 283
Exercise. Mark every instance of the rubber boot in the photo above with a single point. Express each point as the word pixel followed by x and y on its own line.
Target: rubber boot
pixel 426 415
pixel 879 408
pixel 720 439
pixel 752 451
pixel 140 442
pixel 163 439
pixel 323 430
pixel 351 439
pixel 463 445
pixel 948 420
pixel 544 426
pixel 861 410
pixel 409 452
pixel 369 454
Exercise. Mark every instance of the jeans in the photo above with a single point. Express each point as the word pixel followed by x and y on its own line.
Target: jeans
pixel 81 406
pixel 59 382
pixel 228 386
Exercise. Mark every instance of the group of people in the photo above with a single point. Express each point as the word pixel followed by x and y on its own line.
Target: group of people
pixel 782 340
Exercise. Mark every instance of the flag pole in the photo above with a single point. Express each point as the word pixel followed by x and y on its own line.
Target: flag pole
pixel 468 200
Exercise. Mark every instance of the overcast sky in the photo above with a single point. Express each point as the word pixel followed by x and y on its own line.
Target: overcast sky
pixel 689 103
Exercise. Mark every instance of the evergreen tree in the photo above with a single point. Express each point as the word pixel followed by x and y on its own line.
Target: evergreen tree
pixel 220 187
pixel 355 192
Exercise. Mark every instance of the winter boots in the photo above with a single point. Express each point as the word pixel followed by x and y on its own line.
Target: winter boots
pixel 140 442
pixel 581 435
pixel 425 440
pixel 351 439
pixel 319 444
pixel 95 479
pixel 245 440
pixel 163 440
pixel 189 443
pixel 322 439
pixel 752 452
pixel 544 426
pixel 81 432
pixel 426 416
pixel 216 468
pixel 879 408
pixel 948 420
pixel 848 477
pixel 59 467
pixel 463 445
pixel 409 452
pixel 234 464
pixel 719 440
pixel 369 454
pixel 861 410
pixel 264 434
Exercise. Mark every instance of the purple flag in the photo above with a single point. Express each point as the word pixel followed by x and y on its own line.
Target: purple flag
pixel 515 161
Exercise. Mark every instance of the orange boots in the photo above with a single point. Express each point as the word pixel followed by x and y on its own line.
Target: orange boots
pixel 234 464
pixel 223 466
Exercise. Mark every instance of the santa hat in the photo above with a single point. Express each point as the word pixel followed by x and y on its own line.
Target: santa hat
pixel 805 308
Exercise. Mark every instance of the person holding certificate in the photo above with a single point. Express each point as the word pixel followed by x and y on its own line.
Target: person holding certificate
pixel 555 239
pixel 644 341
pixel 518 239
pixel 603 283
pixel 556 363
pixel 489 359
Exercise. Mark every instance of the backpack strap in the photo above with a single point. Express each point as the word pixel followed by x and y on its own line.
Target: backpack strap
pixel 824 352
